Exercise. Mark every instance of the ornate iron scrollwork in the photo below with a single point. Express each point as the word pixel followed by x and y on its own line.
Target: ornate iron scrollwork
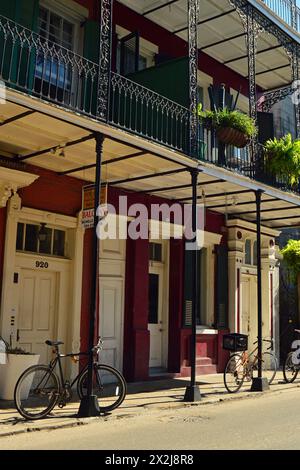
pixel 193 14
pixel 104 58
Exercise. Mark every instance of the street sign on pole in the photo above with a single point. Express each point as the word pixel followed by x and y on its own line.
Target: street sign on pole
pixel 88 204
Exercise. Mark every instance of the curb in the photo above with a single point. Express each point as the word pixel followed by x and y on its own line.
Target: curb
pixel 143 408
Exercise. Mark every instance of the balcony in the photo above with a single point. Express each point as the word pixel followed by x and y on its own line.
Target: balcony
pixel 42 69
pixel 286 10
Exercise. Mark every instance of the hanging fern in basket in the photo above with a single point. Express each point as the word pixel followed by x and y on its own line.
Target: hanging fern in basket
pixel 282 158
pixel 291 257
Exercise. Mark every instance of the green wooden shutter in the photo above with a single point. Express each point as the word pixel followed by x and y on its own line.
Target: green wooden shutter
pixel 90 52
pixel 8 9
pixel 222 287
pixel 19 62
pixel 188 288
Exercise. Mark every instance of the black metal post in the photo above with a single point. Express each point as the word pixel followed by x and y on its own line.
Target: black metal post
pixel 193 16
pixel 89 404
pixel 192 392
pixel 105 46
pixel 259 383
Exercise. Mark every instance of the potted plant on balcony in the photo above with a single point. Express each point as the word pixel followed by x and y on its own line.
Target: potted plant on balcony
pixel 232 127
pixel 291 258
pixel 282 159
pixel 16 362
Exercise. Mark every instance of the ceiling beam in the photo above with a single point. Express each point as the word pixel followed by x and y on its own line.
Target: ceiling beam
pixel 16 118
pixel 239 204
pixel 152 10
pixel 270 210
pixel 282 218
pixel 223 194
pixel 182 186
pixel 274 69
pixel 208 20
pixel 92 165
pixel 68 144
pixel 262 51
pixel 148 176
pixel 222 41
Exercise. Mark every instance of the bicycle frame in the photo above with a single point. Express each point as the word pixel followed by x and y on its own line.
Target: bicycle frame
pixel 57 360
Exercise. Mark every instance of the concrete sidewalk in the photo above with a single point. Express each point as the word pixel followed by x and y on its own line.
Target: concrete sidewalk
pixel 141 398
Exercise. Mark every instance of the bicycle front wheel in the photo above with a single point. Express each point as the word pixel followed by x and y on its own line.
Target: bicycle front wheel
pixel 109 386
pixel 36 392
pixel 234 373
pixel 290 371
pixel 269 366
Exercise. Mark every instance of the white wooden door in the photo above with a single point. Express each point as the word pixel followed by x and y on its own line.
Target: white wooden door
pixel 110 324
pixel 37 310
pixel 155 317
pixel 249 308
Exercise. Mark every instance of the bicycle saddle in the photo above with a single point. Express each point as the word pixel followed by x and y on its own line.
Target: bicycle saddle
pixel 53 343
pixel 297 331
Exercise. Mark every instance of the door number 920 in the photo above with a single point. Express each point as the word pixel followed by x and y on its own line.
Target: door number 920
pixel 41 264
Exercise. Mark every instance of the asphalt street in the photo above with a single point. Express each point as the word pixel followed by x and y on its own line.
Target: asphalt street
pixel 262 422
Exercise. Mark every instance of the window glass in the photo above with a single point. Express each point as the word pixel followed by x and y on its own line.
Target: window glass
pixel 20 236
pixel 155 252
pixel 31 238
pixel 45 241
pixel 153 298
pixel 248 252
pixel 255 253
pixel 40 239
pixel 59 243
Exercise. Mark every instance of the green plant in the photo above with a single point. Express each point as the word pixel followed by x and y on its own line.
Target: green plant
pixel 291 257
pixel 227 118
pixel 282 158
pixel 11 350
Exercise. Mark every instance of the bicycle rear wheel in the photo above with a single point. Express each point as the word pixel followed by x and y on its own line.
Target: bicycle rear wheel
pixel 269 366
pixel 290 371
pixel 109 387
pixel 234 373
pixel 36 392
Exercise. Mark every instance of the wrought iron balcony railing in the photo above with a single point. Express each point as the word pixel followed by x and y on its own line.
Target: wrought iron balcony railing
pixel 41 68
pixel 287 10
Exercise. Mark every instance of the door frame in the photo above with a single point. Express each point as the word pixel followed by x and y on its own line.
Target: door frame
pixel 164 267
pixel 9 301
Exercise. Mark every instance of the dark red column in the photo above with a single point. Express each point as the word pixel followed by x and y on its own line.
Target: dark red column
pixel 136 333
pixel 2 241
pixel 176 285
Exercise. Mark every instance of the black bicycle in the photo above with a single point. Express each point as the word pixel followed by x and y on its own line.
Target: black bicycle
pixel 39 388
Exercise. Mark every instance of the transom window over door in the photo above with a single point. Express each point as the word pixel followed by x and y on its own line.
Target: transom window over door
pixel 40 239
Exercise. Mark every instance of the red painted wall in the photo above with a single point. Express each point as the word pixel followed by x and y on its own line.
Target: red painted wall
pixel 174 47
pixel 176 286
pixel 136 334
pixel 61 194
pixel 2 242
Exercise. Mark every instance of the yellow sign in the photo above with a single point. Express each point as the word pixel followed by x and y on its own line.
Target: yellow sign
pixel 88 203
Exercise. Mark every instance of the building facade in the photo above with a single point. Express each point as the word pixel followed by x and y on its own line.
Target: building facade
pixel 121 79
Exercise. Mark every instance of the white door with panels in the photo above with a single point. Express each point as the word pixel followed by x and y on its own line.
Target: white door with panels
pixel 155 316
pixel 111 317
pixel 37 311
pixel 249 308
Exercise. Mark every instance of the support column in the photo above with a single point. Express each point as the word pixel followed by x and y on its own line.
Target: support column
pixel 136 333
pixel 105 44
pixel 193 17
pixel 89 404
pixel 259 383
pixel 192 392
pixel 176 288
pixel 235 262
